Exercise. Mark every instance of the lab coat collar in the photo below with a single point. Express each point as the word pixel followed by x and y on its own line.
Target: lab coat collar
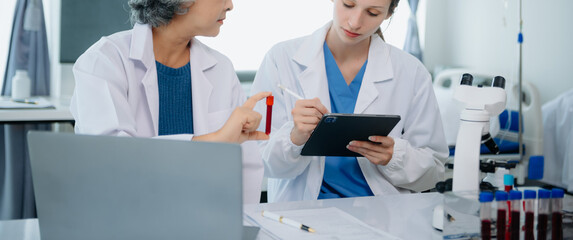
pixel 312 79
pixel 201 60
pixel 378 69
pixel 142 45
pixel 201 87
pixel 310 58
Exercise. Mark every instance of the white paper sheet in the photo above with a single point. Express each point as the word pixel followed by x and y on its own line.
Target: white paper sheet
pixel 329 223
pixel 30 103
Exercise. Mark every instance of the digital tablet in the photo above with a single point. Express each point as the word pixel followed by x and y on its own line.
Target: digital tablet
pixel 336 130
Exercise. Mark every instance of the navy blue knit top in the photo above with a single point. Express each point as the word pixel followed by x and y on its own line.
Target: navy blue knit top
pixel 175 107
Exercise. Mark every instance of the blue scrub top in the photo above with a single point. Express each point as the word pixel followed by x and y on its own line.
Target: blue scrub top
pixel 342 175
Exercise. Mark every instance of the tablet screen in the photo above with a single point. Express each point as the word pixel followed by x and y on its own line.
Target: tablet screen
pixel 336 130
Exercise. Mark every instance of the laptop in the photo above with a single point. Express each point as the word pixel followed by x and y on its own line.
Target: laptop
pixel 104 187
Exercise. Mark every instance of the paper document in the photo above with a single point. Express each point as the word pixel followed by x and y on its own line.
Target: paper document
pixel 29 103
pixel 329 223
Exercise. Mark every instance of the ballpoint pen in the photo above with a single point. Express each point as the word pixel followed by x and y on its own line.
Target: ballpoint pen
pixel 286 221
pixel 24 101
pixel 290 92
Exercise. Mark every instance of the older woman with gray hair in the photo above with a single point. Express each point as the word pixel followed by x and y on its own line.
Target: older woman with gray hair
pixel 158 80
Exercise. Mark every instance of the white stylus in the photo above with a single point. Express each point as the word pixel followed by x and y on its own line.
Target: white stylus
pixel 290 92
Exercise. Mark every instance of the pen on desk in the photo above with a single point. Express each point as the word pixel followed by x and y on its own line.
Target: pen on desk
pixel 24 101
pixel 286 221
pixel 270 100
pixel 290 92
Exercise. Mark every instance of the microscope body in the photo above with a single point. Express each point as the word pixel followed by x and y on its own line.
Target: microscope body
pixel 480 104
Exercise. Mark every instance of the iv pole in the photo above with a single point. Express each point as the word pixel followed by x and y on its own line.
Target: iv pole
pixel 520 96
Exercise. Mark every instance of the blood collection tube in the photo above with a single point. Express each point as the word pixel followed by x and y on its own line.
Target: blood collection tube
pixel 508 182
pixel 270 101
pixel 557 214
pixel 485 199
pixel 514 228
pixel 542 213
pixel 529 202
pixel 502 212
pixel 508 186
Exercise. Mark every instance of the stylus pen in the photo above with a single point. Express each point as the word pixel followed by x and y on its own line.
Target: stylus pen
pixel 290 92
pixel 286 221
pixel 270 100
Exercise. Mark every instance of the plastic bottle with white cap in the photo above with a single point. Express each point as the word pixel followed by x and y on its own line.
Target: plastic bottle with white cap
pixel 21 86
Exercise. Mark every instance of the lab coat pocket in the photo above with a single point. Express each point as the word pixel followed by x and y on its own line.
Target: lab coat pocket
pixel 217 119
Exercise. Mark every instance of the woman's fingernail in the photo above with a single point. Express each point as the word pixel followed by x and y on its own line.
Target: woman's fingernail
pixel 371 138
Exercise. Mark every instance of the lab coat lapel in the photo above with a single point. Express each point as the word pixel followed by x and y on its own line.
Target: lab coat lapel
pixel 378 69
pixel 201 87
pixel 142 49
pixel 310 57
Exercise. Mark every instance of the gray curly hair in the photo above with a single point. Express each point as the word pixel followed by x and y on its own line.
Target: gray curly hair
pixel 156 12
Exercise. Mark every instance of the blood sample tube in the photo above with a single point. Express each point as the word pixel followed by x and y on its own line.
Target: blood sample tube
pixel 557 214
pixel 485 199
pixel 502 212
pixel 542 213
pixel 529 202
pixel 514 225
pixel 270 101
pixel 508 186
pixel 508 182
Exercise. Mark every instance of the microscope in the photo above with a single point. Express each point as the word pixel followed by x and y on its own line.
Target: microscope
pixel 480 104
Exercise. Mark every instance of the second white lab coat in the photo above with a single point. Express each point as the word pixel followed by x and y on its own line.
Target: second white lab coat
pixel 116 93
pixel 394 83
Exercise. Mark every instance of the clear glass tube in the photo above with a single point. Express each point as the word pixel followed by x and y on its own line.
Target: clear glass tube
pixel 485 213
pixel 502 214
pixel 543 213
pixel 529 203
pixel 557 214
pixel 514 221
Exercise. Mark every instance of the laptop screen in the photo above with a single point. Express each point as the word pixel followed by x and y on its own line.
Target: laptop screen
pixel 103 187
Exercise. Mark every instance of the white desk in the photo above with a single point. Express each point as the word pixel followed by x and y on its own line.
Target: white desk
pixel 60 113
pixel 407 216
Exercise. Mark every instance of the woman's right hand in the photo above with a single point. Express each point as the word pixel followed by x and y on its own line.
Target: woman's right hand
pixel 242 124
pixel 306 115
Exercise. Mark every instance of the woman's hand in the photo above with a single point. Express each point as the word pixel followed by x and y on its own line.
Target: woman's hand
pixel 242 124
pixel 306 115
pixel 380 152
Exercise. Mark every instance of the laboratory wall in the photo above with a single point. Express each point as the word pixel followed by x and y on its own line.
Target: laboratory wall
pixel 482 35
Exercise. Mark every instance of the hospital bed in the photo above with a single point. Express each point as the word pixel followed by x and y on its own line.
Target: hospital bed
pixel 504 128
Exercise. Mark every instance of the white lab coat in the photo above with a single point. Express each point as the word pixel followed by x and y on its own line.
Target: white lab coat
pixel 394 83
pixel 558 141
pixel 116 93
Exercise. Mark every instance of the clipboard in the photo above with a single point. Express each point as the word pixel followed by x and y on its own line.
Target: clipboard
pixel 336 130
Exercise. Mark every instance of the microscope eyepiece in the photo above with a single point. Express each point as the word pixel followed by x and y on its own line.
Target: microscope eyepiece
pixel 498 81
pixel 467 79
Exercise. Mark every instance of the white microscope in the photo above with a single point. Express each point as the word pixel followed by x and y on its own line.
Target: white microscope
pixel 480 104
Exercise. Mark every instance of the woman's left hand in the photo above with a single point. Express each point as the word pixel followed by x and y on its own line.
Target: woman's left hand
pixel 379 151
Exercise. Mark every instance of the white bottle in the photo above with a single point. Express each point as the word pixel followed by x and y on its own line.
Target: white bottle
pixel 21 85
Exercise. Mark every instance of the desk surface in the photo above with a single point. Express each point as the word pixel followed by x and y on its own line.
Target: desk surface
pixel 396 214
pixel 60 113
pixel 407 216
